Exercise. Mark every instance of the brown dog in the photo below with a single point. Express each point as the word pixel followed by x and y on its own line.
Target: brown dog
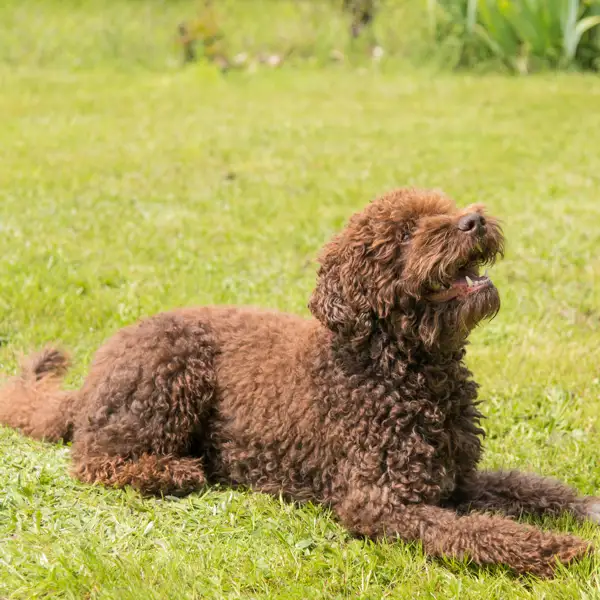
pixel 368 409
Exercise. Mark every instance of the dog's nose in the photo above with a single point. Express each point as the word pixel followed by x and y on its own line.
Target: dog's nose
pixel 473 222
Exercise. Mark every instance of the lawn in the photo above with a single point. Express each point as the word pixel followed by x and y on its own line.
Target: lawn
pixel 124 192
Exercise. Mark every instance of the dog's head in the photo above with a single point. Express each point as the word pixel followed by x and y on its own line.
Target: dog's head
pixel 410 262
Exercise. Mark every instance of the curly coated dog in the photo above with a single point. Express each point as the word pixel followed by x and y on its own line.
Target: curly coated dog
pixel 368 408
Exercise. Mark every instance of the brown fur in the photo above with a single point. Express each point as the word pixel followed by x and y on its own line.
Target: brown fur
pixel 369 408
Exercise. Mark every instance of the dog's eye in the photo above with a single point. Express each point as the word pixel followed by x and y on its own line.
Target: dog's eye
pixel 406 236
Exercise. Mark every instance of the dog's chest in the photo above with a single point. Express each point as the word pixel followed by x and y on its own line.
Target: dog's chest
pixel 429 447
pixel 418 442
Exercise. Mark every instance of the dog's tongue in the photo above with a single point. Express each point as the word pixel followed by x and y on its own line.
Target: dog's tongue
pixel 462 286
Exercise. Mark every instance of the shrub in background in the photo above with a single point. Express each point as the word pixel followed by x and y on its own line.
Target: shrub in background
pixel 524 35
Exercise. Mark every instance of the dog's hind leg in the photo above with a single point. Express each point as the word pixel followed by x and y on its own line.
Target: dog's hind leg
pixel 147 401
pixel 149 473
pixel 514 493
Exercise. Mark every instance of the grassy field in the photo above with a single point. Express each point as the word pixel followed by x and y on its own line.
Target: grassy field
pixel 128 191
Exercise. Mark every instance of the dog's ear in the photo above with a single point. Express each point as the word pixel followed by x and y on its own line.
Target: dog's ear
pixel 359 281
pixel 339 300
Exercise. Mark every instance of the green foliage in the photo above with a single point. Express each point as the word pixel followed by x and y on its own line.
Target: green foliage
pixel 523 34
pixel 519 35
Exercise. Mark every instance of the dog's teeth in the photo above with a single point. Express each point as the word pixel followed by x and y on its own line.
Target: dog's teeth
pixel 469 281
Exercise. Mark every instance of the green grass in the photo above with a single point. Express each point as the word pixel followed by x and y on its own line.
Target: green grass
pixel 128 191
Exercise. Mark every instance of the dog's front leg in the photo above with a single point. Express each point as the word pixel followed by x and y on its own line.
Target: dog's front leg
pixel 514 493
pixel 485 539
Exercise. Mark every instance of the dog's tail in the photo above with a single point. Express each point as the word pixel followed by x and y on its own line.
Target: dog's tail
pixel 34 402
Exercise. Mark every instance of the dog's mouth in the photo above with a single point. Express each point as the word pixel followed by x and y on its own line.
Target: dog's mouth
pixel 466 282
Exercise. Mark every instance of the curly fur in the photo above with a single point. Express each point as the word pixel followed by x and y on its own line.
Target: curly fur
pixel 368 408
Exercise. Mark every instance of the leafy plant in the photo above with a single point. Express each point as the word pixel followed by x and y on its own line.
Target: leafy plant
pixel 523 34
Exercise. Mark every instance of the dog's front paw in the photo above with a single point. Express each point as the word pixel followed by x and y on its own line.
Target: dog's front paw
pixel 553 549
pixel 587 508
pixel 592 509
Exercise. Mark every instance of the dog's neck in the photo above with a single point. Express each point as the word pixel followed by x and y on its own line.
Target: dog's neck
pixel 388 353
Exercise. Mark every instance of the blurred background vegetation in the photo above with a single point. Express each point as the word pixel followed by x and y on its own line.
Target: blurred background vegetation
pixel 520 36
